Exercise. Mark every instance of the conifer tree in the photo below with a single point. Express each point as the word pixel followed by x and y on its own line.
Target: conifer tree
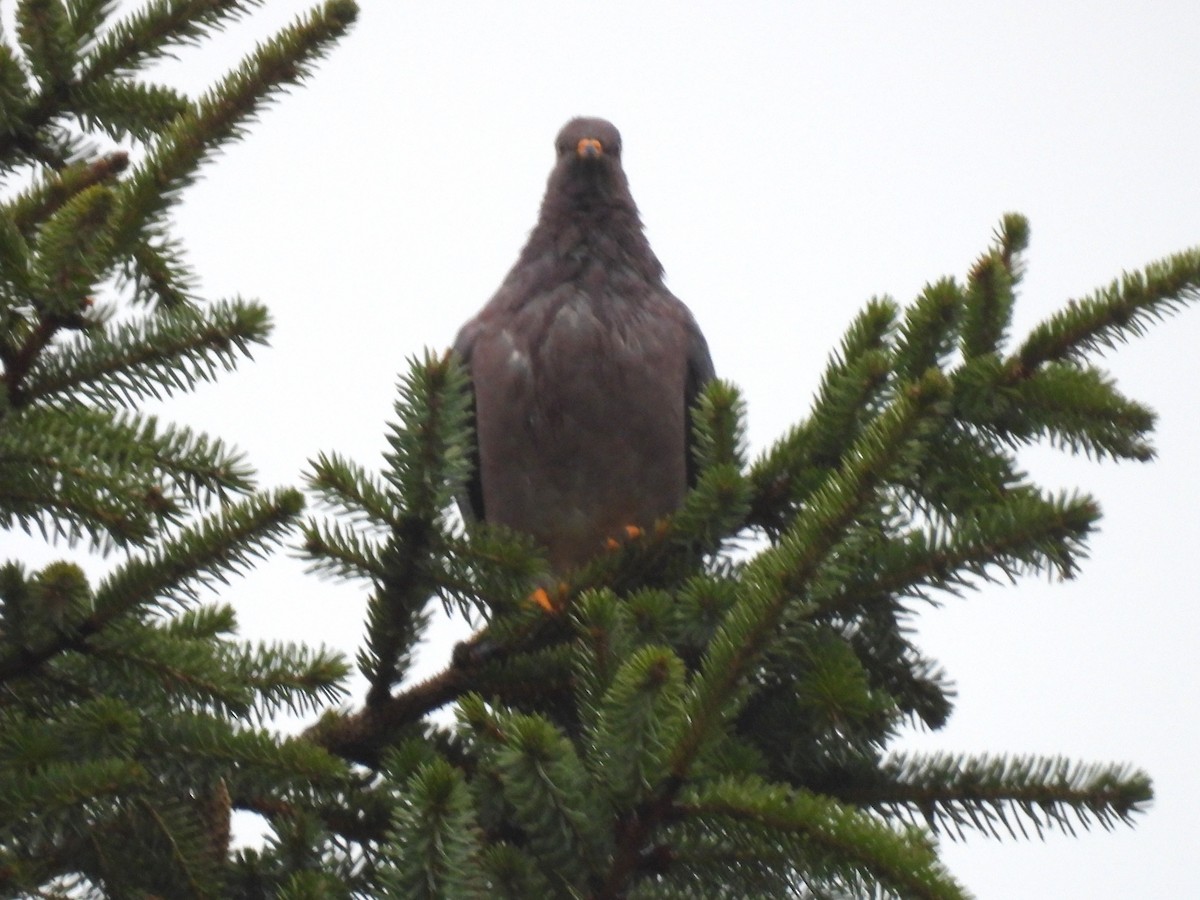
pixel 131 718
pixel 696 723
pixel 716 709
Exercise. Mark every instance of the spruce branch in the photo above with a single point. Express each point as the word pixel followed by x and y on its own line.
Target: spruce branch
pixel 16 285
pixel 217 546
pixel 55 793
pixel 157 29
pixel 716 508
pixel 288 677
pixel 54 187
pixel 434 842
pixel 128 109
pixel 52 487
pixel 853 386
pixel 719 427
pixel 634 722
pixel 148 358
pixel 159 274
pixel 355 813
pixel 1080 409
pixel 966 467
pixel 1026 533
pixel 346 487
pixel 1011 239
pixel 851 389
pixel 169 575
pixel 427 464
pixel 1111 315
pixel 195 651
pixel 87 17
pixel 72 251
pixel 546 787
pixel 365 736
pixel 45 34
pixel 838 843
pixel 398 538
pixel 676 685
pixel 123 708
pixel 185 668
pixel 249 757
pixel 14 98
pixel 987 306
pixel 116 478
pixel 927 335
pixel 429 460
pixel 918 686
pixel 222 114
pixel 480 665
pixel 334 550
pixel 781 573
pixel 1006 795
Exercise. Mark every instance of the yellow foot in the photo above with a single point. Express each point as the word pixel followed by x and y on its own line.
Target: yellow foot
pixel 551 604
pixel 632 532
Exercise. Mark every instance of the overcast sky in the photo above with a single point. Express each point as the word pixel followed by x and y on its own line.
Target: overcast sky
pixel 790 160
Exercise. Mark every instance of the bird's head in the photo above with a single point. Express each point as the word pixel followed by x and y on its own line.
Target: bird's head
pixel 589 160
pixel 583 141
pixel 588 211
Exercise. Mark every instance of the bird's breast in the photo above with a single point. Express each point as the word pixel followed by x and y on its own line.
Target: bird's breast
pixel 586 410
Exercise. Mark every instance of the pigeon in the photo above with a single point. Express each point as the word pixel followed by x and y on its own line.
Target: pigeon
pixel 583 369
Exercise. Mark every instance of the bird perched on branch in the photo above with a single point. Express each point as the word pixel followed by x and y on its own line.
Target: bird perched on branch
pixel 584 367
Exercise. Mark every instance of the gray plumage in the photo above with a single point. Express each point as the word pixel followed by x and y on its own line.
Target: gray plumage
pixel 583 367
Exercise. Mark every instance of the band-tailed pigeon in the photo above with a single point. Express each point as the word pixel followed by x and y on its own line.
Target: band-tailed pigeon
pixel 583 367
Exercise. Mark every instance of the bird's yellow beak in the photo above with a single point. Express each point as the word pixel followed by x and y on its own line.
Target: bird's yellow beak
pixel 589 148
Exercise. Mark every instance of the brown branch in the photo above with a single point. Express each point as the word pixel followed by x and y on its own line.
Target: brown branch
pixel 18 360
pixel 633 855
pixel 365 825
pixel 363 736
pixel 27 661
pixel 48 197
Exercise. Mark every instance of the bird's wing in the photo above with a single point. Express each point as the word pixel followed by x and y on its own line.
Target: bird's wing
pixel 470 499
pixel 699 373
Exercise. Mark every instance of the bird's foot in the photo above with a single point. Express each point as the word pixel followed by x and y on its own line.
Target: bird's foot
pixel 551 603
pixel 632 532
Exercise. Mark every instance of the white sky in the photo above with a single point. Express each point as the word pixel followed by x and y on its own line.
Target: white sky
pixel 790 160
